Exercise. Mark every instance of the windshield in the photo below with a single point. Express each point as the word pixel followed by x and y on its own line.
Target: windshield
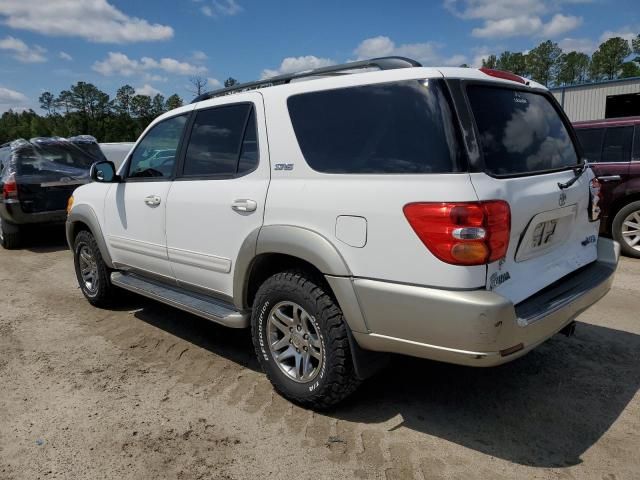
pixel 520 132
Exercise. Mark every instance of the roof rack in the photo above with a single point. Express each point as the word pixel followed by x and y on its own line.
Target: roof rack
pixel 382 63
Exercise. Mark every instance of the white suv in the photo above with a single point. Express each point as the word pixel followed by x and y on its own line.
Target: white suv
pixel 341 212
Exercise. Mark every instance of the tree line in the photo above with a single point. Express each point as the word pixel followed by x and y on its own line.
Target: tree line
pixel 85 109
pixel 549 65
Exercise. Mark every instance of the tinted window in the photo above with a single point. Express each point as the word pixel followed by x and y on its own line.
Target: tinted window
pixel 403 127
pixel 636 144
pixel 617 144
pixel 156 153
pixel 520 132
pixel 249 153
pixel 216 141
pixel 591 142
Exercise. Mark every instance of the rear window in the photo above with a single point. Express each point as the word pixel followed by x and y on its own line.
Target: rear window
pixel 520 132
pixel 402 127
pixel 34 159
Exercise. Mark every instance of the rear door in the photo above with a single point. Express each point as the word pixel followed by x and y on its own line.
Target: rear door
pixel 526 151
pixel 219 194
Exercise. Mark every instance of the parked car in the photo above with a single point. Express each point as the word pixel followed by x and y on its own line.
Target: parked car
pixel 37 177
pixel 116 152
pixel 440 213
pixel 613 146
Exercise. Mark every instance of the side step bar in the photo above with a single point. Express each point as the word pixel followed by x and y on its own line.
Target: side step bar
pixel 206 307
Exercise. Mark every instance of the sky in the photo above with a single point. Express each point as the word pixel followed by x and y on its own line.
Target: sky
pixel 156 46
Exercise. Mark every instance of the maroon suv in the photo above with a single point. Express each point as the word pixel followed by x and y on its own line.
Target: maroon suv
pixel 613 146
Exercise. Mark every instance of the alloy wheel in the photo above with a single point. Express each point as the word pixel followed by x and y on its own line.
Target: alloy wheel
pixel 294 342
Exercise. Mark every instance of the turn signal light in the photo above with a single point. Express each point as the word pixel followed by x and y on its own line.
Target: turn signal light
pixel 462 233
pixel 69 204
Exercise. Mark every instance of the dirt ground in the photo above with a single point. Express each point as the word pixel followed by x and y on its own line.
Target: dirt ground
pixel 145 391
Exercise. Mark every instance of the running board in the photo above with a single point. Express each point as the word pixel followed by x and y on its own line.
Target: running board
pixel 205 307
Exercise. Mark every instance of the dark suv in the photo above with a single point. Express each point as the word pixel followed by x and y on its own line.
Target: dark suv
pixel 37 177
pixel 613 146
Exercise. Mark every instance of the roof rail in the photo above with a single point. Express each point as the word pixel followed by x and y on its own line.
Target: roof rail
pixel 382 63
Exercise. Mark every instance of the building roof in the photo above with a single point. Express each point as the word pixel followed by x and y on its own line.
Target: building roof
pixel 609 122
pixel 593 84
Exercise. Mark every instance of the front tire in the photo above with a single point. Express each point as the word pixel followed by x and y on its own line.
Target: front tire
pixel 10 237
pixel 92 273
pixel 300 338
pixel 626 229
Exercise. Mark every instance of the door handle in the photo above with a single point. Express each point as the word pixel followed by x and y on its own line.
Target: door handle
pixel 244 205
pixel 152 200
pixel 610 178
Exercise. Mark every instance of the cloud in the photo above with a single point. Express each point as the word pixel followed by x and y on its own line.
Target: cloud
pixel 199 56
pixel 626 32
pixel 213 83
pixel 297 64
pixel 94 20
pixel 147 89
pixel 560 24
pixel 426 53
pixel 65 56
pixel 584 45
pixel 220 8
pixel 11 99
pixel 511 18
pixel 118 63
pixel 21 51
pixel 494 9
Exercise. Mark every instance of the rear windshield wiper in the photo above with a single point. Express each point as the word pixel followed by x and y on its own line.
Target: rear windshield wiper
pixel 579 171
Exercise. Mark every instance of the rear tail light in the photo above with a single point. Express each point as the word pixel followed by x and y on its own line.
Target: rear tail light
pixel 10 188
pixel 502 74
pixel 462 233
pixel 595 197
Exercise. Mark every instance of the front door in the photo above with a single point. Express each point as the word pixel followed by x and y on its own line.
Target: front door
pixel 135 208
pixel 219 193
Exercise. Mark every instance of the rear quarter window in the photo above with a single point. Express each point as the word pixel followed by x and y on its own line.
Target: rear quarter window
pixel 520 132
pixel 402 127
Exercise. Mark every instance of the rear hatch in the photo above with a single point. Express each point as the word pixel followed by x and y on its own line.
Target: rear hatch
pixel 525 151
pixel 47 175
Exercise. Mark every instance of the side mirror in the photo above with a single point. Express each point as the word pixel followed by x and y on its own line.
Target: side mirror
pixel 103 172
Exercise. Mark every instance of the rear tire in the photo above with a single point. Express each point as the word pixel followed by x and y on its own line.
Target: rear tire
pixel 94 277
pixel 300 339
pixel 10 236
pixel 625 229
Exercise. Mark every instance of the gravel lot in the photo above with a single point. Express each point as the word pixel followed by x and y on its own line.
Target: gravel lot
pixel 146 391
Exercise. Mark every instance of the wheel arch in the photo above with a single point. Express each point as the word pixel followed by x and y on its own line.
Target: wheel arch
pixel 82 217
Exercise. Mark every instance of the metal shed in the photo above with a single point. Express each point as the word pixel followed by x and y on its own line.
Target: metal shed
pixel 594 101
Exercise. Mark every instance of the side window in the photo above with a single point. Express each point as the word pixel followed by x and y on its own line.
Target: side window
pixel 249 152
pixel 155 155
pixel 591 142
pixel 617 144
pixel 218 145
pixel 636 144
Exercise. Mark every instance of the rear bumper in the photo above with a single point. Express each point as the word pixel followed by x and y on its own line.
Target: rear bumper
pixel 11 212
pixel 477 328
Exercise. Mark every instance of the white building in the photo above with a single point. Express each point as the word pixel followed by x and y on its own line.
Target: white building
pixel 594 101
